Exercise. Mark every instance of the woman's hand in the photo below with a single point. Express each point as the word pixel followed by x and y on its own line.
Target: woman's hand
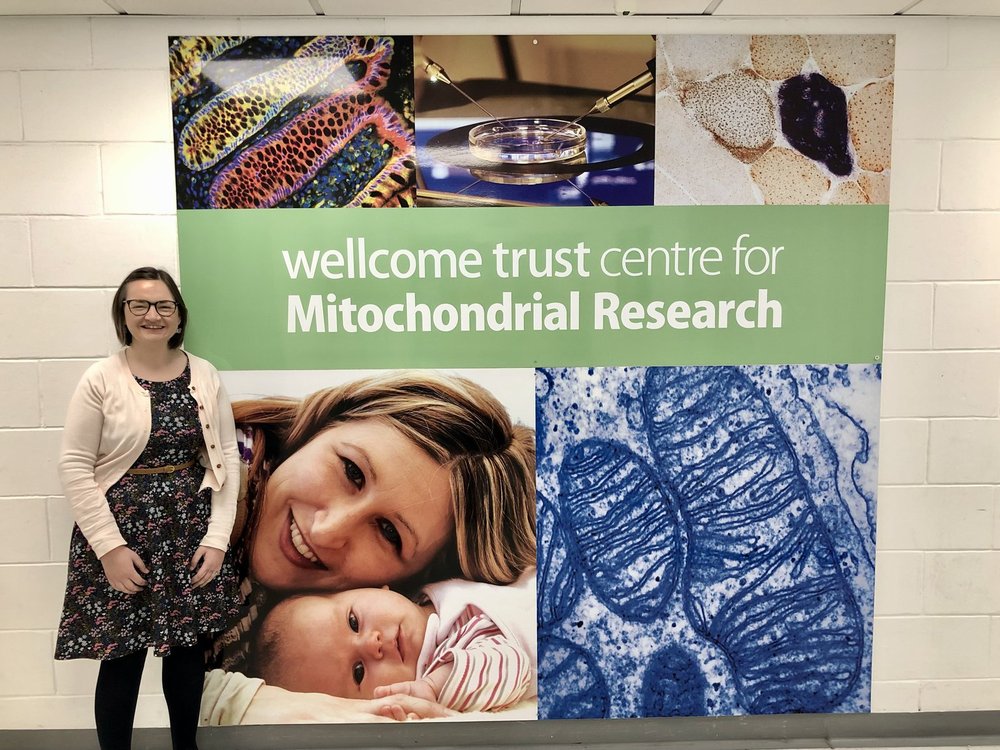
pixel 210 561
pixel 124 570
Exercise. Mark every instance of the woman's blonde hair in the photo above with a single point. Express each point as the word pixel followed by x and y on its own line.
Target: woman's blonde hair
pixel 456 422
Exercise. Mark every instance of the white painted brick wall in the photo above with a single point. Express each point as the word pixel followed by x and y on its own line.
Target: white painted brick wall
pixel 86 194
pixel 967 176
pixel 56 178
pixel 63 248
pixel 910 320
pixel 138 178
pixel 120 105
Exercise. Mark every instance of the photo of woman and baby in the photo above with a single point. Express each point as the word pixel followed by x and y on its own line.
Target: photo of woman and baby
pixel 385 540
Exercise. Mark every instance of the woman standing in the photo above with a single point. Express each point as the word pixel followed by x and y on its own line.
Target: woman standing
pixel 149 465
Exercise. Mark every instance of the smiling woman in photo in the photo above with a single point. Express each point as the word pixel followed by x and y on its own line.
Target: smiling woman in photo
pixel 399 479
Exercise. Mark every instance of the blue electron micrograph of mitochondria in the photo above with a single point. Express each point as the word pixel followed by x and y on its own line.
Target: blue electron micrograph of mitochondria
pixel 706 539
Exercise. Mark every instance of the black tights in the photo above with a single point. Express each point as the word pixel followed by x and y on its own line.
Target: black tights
pixel 118 690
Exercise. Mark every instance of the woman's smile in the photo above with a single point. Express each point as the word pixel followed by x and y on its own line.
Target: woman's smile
pixel 300 552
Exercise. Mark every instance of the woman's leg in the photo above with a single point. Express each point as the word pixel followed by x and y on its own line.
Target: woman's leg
pixel 115 698
pixel 183 680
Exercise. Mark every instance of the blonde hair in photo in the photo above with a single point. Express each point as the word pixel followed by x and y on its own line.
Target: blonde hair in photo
pixel 459 424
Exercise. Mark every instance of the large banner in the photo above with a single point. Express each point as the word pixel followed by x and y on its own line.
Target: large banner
pixel 598 403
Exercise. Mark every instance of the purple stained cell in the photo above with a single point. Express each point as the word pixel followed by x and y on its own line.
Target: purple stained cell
pixel 814 120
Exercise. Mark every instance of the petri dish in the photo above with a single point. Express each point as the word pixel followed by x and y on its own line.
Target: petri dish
pixel 528 140
pixel 506 174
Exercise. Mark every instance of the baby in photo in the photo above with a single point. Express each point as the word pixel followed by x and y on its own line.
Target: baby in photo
pixel 468 646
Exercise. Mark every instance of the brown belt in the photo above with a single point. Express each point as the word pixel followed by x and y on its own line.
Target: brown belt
pixel 168 469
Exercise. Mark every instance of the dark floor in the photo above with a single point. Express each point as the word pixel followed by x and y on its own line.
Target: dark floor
pixel 979 729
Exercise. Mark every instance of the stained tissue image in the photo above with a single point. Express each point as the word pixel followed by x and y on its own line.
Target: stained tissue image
pixel 706 539
pixel 774 119
pixel 292 122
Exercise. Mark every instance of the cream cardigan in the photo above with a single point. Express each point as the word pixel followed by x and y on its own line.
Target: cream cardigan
pixel 107 427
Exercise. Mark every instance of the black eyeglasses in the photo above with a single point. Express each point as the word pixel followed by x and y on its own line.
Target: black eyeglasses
pixel 165 307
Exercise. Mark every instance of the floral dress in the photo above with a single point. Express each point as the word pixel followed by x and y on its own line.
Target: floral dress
pixel 163 518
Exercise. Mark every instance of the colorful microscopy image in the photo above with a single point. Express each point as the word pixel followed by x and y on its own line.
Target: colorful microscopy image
pixel 706 539
pixel 774 119
pixel 535 120
pixel 293 122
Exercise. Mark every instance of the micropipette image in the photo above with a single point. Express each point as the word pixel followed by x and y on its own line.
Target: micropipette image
pixel 534 120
